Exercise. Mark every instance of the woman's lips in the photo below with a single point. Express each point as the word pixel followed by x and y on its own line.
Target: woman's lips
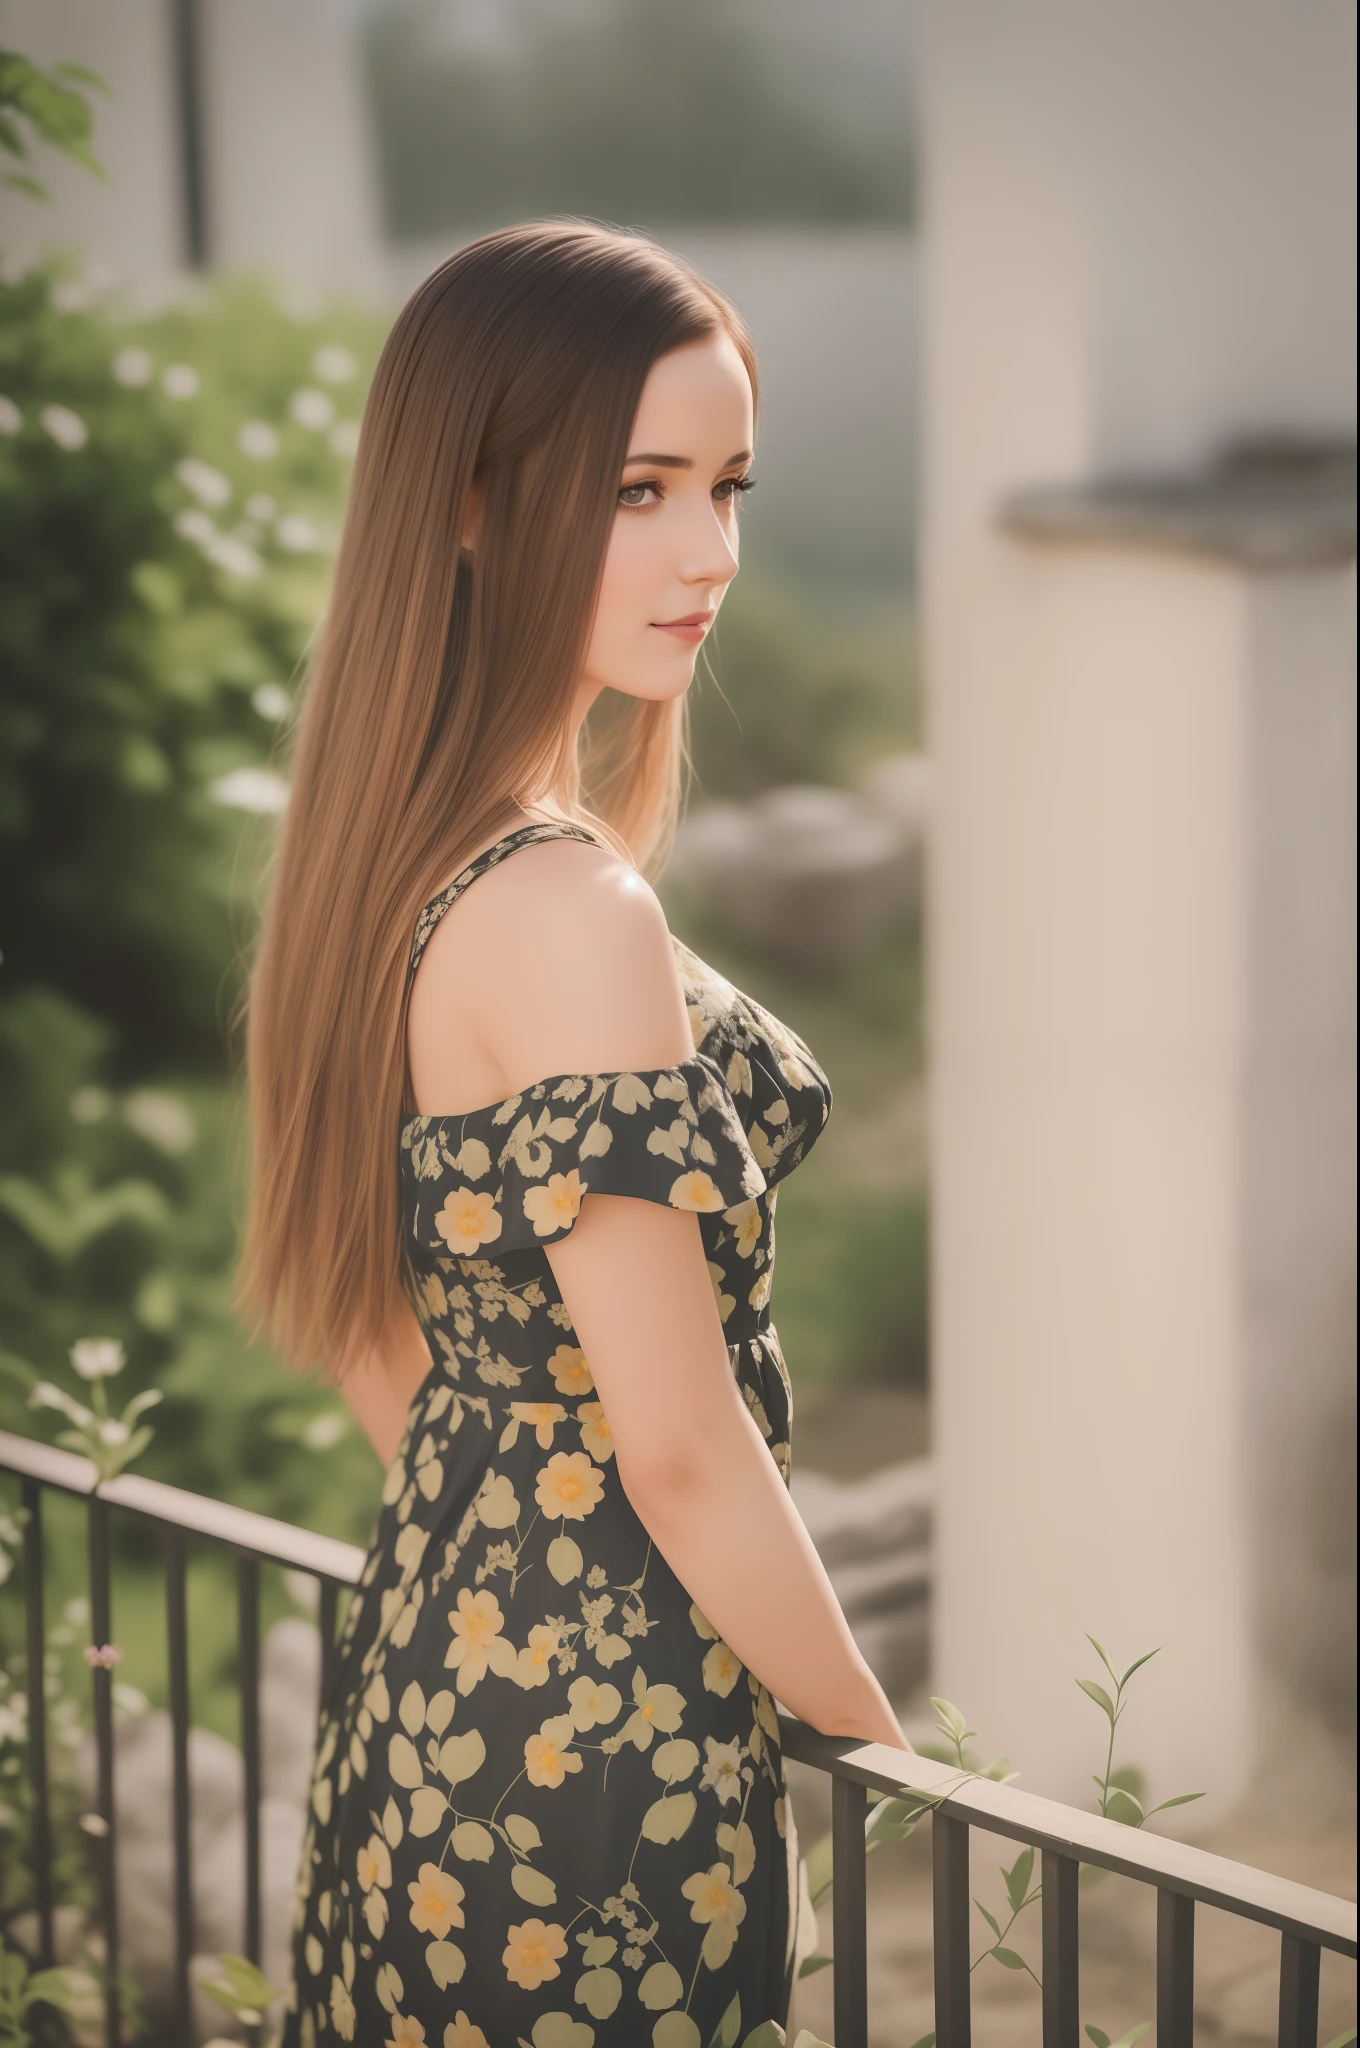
pixel 692 628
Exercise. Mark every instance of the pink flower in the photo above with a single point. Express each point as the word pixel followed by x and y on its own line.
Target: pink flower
pixel 101 1656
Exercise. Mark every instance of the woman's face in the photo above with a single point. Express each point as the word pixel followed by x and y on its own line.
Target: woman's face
pixel 673 550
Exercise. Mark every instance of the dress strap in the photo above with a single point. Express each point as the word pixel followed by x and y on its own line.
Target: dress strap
pixel 524 835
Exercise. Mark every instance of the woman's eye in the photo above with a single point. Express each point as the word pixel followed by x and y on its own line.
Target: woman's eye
pixel 635 496
pixel 732 488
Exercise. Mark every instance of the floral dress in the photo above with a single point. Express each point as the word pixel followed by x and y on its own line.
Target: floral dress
pixel 548 1804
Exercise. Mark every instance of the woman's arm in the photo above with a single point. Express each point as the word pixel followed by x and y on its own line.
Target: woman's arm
pixel 566 966
pixel 695 1467
pixel 381 1387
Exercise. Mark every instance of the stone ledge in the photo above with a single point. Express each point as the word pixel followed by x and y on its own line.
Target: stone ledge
pixel 1263 504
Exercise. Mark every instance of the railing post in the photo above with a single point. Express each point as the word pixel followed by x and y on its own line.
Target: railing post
pixel 248 1664
pixel 953 2002
pixel 106 1850
pixel 1175 1970
pixel 177 1643
pixel 1300 1969
pixel 849 1904
pixel 35 1651
pixel 1062 1963
pixel 328 1593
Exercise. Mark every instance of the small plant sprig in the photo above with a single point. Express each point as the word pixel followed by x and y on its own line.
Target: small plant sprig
pixel 1118 1800
pixel 111 1441
pixel 769 2034
pixel 242 1989
pixel 21 1989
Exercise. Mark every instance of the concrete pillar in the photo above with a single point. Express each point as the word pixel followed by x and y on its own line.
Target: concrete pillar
pixel 1139 248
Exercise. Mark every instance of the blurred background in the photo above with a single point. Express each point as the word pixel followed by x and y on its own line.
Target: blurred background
pixel 1029 750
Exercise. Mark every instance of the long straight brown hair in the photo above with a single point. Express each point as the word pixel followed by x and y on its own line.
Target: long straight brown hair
pixel 439 696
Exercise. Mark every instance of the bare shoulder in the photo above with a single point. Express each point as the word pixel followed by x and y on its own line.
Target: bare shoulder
pixel 558 960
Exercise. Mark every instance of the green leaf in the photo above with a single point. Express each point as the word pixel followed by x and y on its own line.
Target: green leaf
pixel 1008 1959
pixel 1099 1695
pixel 812 1964
pixel 1134 2034
pixel 1104 1657
pixel 1101 2039
pixel 993 1924
pixel 1343 2040
pixel 1120 1795
pixel 769 2034
pixel 1138 1664
pixel 78 74
pixel 819 1869
pixel 20 181
pixel 955 1724
pixel 892 1820
pixel 1181 1799
pixel 1017 1879
pixel 810 2040
pixel 926 2041
pixel 728 2027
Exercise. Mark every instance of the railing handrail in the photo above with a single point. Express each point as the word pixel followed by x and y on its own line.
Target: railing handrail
pixel 1173 1866
pixel 258 1535
pixel 1294 1910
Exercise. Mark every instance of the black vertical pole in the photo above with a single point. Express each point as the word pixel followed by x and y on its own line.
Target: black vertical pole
pixel 186 30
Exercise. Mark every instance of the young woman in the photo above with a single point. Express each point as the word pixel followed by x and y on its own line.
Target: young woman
pixel 516 1158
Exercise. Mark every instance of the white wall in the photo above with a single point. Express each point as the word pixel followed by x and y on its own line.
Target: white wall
pixel 288 166
pixel 1139 243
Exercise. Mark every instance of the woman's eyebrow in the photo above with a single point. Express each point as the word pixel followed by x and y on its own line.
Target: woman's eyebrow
pixel 683 461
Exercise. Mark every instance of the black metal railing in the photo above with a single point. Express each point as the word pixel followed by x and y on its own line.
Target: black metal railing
pixel 1307 1921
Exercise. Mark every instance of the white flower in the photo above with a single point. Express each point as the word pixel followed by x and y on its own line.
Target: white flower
pixel 324 1431
pixel 70 295
pixel 251 789
pixel 235 557
pixel 272 701
pixel 258 440
pixel 162 1120
pixel 296 532
pixel 98 1358
pixel 89 1105
pixel 67 428
pixel 312 409
pixel 112 1432
pixel 208 485
pixel 179 380
pixel 132 366
pixel 259 505
pixel 196 526
pixel 11 419
pixel 345 438
pixel 333 364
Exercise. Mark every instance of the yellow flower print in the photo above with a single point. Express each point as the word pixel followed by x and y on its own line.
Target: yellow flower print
pixel 746 1226
pixel 722 1769
pixel 533 1666
pixel 460 2033
pixel 716 1904
pixel 478 1645
pixel 721 1670
pixel 375 1913
pixel 533 1952
pixel 556 1204
pixel 375 1865
pixel 593 1705
pixel 406 2033
pixel 342 2010
pixel 436 1901
pixel 760 1293
pixel 695 1191
pixel 468 1221
pixel 542 1417
pixel 571 1374
pixel 547 1758
pixel 656 1709
pixel 436 1301
pixel 569 1486
pixel 596 1435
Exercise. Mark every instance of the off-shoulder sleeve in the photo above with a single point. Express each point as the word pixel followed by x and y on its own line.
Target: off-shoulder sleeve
pixel 514 1175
